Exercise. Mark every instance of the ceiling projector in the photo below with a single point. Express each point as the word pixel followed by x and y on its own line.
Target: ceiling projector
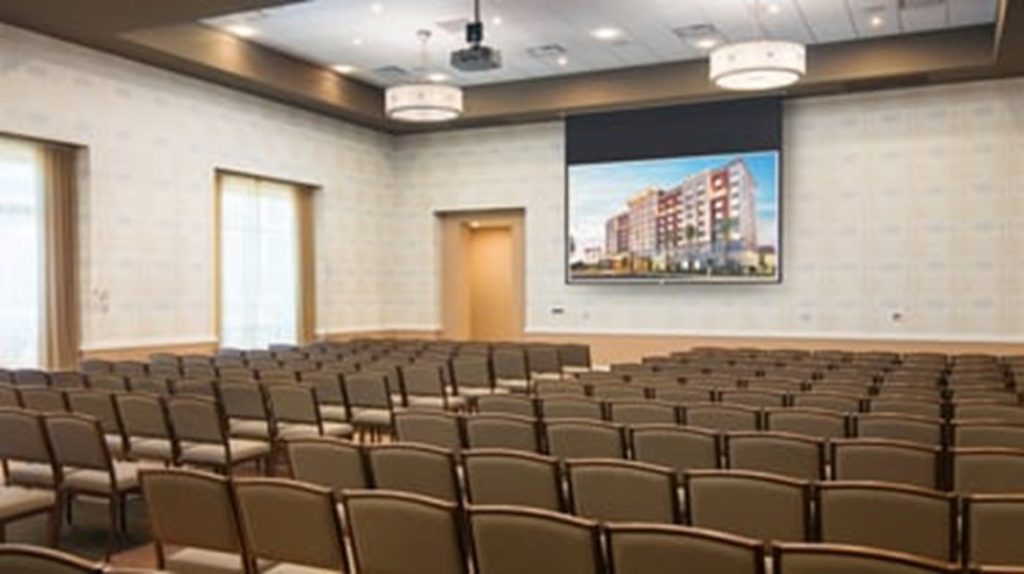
pixel 476 57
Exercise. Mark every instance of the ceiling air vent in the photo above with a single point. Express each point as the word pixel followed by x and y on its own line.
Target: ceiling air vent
pixel 391 74
pixel 918 4
pixel 700 36
pixel 547 51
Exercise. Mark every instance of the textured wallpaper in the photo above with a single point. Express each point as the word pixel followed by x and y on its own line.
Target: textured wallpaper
pixel 903 216
pixel 899 202
pixel 154 141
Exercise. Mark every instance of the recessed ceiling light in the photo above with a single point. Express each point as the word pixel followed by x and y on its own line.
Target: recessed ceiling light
pixel 437 77
pixel 242 30
pixel 357 41
pixel 562 61
pixel 497 20
pixel 706 43
pixel 343 68
pixel 376 7
pixel 877 21
pixel 774 8
pixel 606 33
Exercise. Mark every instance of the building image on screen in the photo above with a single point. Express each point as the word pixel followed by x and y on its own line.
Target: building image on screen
pixel 693 219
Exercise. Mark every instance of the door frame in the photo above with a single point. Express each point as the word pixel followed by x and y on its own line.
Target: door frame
pixel 454 230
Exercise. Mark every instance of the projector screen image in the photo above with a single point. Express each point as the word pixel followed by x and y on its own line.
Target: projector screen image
pixel 692 219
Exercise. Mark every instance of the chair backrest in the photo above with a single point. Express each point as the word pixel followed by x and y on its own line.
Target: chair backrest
pixel 23 437
pixel 369 390
pixel 906 405
pixel 792 455
pixel 328 462
pixel 31 378
pixel 722 418
pixel 67 380
pixel 561 407
pixel 293 522
pixel 893 426
pixel 25 559
pixel 753 504
pixel 676 447
pixel 887 461
pixel 209 519
pixel 501 476
pixel 889 516
pixel 422 380
pixel 96 404
pixel 544 359
pixel 829 400
pixel 574 438
pixel 987 434
pixel 403 532
pixel 558 543
pixel 509 363
pixel 619 391
pixel 553 388
pixel 682 393
pixel 988 410
pixel 293 404
pixel 113 382
pixel 661 549
pixel 642 412
pixel 244 401
pixel 829 558
pixel 43 400
pixel 992 524
pixel 573 355
pixel 508 404
pixel 416 468
pixel 77 441
pixel 435 428
pixel 9 396
pixel 197 419
pixel 753 398
pixel 153 384
pixel 97 366
pixel 143 415
pixel 812 422
pixel 472 372
pixel 329 387
pixel 621 490
pixel 502 431
pixel 988 470
pixel 195 387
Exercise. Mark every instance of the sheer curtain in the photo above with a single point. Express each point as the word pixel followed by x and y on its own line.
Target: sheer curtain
pixel 22 235
pixel 259 262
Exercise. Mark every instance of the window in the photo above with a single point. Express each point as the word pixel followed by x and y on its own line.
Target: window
pixel 22 233
pixel 263 257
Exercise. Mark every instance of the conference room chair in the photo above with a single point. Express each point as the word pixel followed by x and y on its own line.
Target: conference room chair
pixel 193 521
pixel 722 417
pixel 889 516
pixel 245 407
pixel 198 368
pixel 97 367
pixel 790 558
pixel 602 377
pixel 933 408
pixel 417 468
pixel 195 387
pixel 568 407
pixel 130 368
pixel 199 428
pixel 910 428
pixel 507 431
pixel 544 362
pixel 988 470
pixel 986 434
pixel 100 405
pixel 580 438
pixel 330 395
pixel 166 372
pixel 112 382
pixel 836 401
pixel 404 532
pixel 31 378
pixel 610 490
pixel 43 400
pixel 791 455
pixel 24 444
pixel 147 428
pixel 65 380
pixel 516 478
pixel 618 391
pixel 557 543
pixel 574 358
pixel 370 401
pixel 761 399
pixel 290 523
pixel 549 388
pixel 888 461
pixel 992 524
pixel 752 504
pixel 80 450
pixel 987 410
pixel 152 384
pixel 997 395
pixel 436 428
pixel 296 414
pixel 677 447
pixel 9 396
pixel 811 422
pixel 909 391
pixel 26 559
pixel 683 394
pixel 423 386
pixel 634 412
pixel 522 405
pixel 328 462
pixel 510 370
pixel 663 548
pixel 472 376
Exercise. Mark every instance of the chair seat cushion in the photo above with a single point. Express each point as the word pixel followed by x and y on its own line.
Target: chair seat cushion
pixel 200 561
pixel 473 392
pixel 214 455
pixel 126 477
pixel 249 428
pixel 18 501
pixel 296 569
pixel 293 431
pixel 376 417
pixel 29 473
pixel 336 413
pixel 437 402
pixel 520 385
pixel 151 448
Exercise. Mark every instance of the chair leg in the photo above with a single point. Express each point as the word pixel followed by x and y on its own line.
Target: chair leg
pixel 114 534
pixel 69 503
pixel 53 528
pixel 124 514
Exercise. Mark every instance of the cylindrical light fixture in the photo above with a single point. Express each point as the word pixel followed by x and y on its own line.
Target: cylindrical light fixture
pixel 758 65
pixel 423 102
